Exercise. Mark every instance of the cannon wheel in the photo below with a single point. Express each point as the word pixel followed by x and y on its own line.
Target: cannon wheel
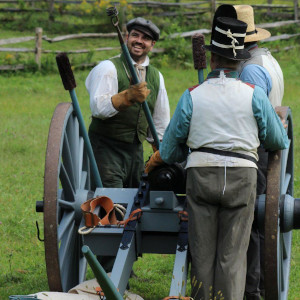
pixel 66 185
pixel 278 243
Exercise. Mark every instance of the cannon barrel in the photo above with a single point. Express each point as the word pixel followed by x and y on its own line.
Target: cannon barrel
pixel 105 282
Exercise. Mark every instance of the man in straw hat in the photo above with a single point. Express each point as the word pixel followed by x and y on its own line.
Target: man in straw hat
pixel 263 70
pixel 218 126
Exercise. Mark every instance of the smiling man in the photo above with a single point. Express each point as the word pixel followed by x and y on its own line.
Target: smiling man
pixel 119 125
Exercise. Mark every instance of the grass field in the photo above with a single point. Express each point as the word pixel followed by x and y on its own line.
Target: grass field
pixel 27 103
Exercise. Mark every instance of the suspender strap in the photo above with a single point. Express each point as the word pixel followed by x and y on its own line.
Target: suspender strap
pixel 225 153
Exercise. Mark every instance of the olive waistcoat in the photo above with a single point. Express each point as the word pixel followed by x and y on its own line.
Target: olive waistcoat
pixel 126 125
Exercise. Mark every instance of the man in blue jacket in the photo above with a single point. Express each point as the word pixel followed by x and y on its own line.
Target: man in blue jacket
pixel 218 126
pixel 263 70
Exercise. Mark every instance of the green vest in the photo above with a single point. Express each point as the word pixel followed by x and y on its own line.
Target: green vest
pixel 132 122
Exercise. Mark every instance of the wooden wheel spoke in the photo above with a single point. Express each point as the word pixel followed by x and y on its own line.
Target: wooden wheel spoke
pixel 80 159
pixel 284 175
pixel 65 244
pixel 84 179
pixel 82 268
pixel 72 131
pixel 67 256
pixel 68 190
pixel 66 204
pixel 65 225
pixel 283 246
pixel 68 161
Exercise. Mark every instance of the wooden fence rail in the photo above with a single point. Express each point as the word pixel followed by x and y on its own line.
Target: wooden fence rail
pixel 293 7
pixel 164 11
pixel 38 51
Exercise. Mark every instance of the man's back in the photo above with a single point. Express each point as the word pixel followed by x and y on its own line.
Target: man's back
pixel 272 82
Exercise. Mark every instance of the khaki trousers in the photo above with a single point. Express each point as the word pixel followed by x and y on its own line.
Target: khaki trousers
pixel 221 209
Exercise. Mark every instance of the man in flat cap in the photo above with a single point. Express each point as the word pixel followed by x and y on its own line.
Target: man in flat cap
pixel 218 126
pixel 119 125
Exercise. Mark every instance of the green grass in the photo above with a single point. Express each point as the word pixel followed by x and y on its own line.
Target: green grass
pixel 27 102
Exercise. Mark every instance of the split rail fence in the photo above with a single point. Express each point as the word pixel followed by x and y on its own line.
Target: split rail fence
pixel 38 38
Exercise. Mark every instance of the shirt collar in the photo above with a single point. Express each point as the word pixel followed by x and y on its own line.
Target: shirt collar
pixel 144 64
pixel 229 73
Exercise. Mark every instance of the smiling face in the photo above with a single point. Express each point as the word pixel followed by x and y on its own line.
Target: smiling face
pixel 139 45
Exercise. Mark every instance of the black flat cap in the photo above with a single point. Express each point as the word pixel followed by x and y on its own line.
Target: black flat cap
pixel 145 26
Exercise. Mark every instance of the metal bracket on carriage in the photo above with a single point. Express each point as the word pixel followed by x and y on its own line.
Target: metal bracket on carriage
pixel 136 212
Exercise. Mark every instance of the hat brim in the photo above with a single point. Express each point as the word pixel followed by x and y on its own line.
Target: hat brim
pixel 261 34
pixel 241 54
pixel 145 31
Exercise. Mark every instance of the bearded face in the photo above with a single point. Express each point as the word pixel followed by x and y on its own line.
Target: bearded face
pixel 139 45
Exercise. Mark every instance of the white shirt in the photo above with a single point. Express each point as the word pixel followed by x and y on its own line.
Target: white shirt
pixel 102 84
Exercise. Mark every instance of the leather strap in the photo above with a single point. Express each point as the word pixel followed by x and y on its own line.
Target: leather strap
pixel 135 215
pixel 91 219
pixel 225 153
pixel 183 215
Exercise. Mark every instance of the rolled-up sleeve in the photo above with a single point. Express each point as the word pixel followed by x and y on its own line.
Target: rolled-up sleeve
pixel 161 113
pixel 102 84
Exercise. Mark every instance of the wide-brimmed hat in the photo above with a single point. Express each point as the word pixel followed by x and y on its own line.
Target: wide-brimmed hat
pixel 228 39
pixel 224 10
pixel 145 26
pixel 245 13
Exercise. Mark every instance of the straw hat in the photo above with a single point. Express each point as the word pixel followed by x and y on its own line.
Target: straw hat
pixel 245 13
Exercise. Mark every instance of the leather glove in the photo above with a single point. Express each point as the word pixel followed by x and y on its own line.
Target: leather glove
pixel 154 148
pixel 135 93
pixel 154 161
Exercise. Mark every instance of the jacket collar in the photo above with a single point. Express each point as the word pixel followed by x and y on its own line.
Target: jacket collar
pixel 229 73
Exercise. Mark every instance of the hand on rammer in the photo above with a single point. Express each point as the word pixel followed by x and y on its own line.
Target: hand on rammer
pixel 135 93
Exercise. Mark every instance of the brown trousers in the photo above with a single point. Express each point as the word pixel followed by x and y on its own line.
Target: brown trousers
pixel 220 219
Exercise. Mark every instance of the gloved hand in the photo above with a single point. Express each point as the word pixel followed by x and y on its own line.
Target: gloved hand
pixel 135 93
pixel 154 161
